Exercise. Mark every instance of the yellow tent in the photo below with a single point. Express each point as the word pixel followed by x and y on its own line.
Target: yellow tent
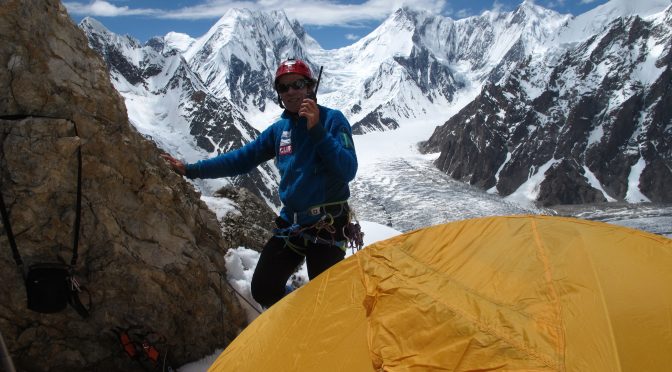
pixel 521 293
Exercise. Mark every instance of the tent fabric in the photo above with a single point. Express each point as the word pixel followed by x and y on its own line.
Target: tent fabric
pixel 516 293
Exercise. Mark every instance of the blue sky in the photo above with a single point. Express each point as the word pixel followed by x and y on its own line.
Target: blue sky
pixel 333 23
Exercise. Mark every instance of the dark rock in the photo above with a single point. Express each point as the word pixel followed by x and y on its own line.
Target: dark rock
pixel 565 183
pixel 251 229
pixel 375 120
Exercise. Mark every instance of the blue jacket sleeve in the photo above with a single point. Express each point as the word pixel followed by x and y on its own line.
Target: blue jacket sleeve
pixel 235 162
pixel 334 144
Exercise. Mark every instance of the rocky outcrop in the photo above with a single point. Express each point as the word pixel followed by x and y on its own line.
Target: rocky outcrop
pixel 150 251
pixel 257 219
pixel 374 121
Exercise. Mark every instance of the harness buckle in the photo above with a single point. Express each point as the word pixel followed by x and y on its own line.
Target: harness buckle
pixel 74 284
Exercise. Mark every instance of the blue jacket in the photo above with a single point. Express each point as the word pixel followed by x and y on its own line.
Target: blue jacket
pixel 315 165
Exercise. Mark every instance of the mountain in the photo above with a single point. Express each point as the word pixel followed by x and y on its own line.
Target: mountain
pixel 415 66
pixel 588 122
pixel 416 62
pixel 168 102
pixel 236 59
pixel 592 22
pixel 196 97
pixel 413 61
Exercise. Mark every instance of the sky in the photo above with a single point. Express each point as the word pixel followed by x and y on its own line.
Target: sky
pixel 333 23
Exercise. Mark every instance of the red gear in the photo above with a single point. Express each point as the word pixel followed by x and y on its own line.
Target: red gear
pixel 293 66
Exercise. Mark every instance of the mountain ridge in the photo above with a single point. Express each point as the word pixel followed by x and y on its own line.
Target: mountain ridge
pixel 411 67
pixel 589 130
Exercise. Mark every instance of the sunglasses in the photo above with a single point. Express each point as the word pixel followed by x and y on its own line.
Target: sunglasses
pixel 298 84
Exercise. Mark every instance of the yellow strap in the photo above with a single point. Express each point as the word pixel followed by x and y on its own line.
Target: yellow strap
pixel 294 247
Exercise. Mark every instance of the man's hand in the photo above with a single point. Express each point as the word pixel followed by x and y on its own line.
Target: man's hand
pixel 310 111
pixel 177 165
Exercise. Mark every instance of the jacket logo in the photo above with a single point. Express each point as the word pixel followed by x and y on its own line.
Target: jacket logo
pixel 285 143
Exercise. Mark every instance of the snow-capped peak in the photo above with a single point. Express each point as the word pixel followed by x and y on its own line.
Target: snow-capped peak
pixel 237 56
pixel 623 8
pixel 394 37
pixel 592 22
pixel 94 26
pixel 179 41
pixel 539 23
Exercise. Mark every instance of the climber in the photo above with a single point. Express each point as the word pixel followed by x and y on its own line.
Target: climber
pixel 314 152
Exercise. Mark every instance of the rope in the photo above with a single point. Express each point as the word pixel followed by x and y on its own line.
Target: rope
pixel 221 278
pixel 243 297
pixel 5 358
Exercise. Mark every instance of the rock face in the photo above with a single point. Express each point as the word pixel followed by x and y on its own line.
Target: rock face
pixel 257 219
pixel 150 251
pixel 589 124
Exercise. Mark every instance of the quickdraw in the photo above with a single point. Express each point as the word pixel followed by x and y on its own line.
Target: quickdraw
pixel 351 231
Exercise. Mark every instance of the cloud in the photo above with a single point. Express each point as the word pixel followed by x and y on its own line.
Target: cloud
pixel 103 8
pixel 352 37
pixel 558 4
pixel 314 13
pixel 587 1
pixel 497 6
pixel 463 13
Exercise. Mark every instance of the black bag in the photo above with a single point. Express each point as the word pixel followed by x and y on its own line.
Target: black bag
pixel 48 287
pixel 51 286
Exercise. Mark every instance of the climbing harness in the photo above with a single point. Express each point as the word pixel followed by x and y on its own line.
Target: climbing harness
pixel 50 287
pixel 351 230
pixel 140 344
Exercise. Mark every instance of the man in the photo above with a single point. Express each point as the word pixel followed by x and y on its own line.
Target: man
pixel 313 150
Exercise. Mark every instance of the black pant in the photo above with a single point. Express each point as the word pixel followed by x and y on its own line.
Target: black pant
pixel 278 261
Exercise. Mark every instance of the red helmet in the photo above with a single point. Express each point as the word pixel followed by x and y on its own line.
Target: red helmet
pixel 293 66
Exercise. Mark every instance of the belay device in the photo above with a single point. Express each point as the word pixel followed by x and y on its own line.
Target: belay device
pixel 51 286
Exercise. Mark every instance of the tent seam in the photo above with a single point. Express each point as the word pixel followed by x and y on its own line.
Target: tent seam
pixel 541 254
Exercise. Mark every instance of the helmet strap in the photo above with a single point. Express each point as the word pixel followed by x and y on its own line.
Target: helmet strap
pixel 280 101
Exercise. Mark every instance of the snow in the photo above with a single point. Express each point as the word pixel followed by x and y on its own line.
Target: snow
pixel 96 26
pixel 179 41
pixel 595 183
pixel 595 135
pixel 647 72
pixel 634 195
pixel 592 22
pixel 527 193
pixel 221 206
pixel 493 189
pixel 531 90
